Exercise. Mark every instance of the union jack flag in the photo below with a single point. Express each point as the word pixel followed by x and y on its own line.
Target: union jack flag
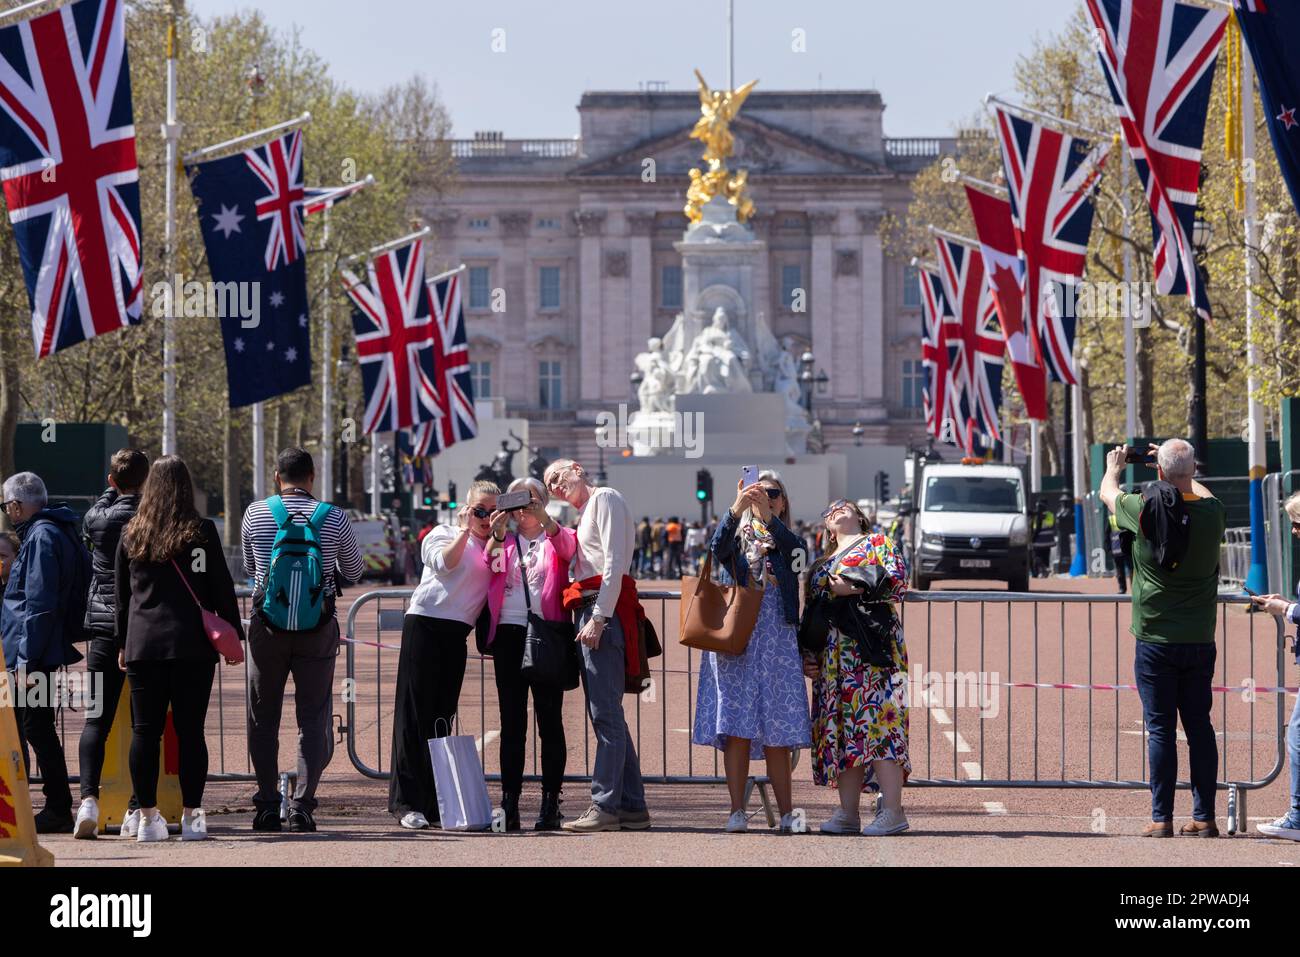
pixel 455 420
pixel 395 340
pixel 938 395
pixel 71 182
pixel 975 338
pixel 320 198
pixel 1051 176
pixel 279 166
pixel 1158 57
pixel 1006 275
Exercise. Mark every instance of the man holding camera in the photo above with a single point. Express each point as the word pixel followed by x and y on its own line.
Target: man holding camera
pixel 1177 526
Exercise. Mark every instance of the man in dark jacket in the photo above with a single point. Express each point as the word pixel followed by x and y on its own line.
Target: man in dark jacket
pixel 43 607
pixel 101 529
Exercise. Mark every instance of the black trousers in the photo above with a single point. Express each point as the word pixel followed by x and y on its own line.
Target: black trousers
pixel 430 669
pixel 107 679
pixel 186 686
pixel 37 726
pixel 512 695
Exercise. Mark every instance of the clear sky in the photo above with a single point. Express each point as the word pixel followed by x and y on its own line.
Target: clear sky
pixel 931 60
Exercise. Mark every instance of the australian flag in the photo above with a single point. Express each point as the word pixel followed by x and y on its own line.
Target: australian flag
pixel 250 211
pixel 1272 33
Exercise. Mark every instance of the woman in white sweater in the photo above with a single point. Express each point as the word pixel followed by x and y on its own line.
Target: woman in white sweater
pixel 431 666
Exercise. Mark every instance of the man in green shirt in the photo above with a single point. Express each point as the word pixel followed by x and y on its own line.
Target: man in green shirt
pixel 1173 622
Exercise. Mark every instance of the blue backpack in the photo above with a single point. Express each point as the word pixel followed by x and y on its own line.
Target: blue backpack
pixel 293 589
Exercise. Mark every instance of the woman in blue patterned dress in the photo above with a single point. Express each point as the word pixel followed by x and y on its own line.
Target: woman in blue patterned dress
pixel 859 710
pixel 755 704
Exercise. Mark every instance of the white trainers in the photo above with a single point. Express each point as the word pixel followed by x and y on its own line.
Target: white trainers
pixel 153 829
pixel 87 825
pixel 840 823
pixel 787 825
pixel 414 821
pixel 738 823
pixel 1282 828
pixel 886 822
pixel 194 826
pixel 130 824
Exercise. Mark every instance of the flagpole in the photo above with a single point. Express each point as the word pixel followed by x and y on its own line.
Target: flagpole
pixel 1130 334
pixel 1079 566
pixel 376 493
pixel 171 133
pixel 390 245
pixel 1024 111
pixel 1257 576
pixel 325 478
pixel 247 138
pixel 450 272
pixel 28 11
pixel 954 237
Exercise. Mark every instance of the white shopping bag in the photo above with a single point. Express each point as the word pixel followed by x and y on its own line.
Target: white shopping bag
pixel 463 802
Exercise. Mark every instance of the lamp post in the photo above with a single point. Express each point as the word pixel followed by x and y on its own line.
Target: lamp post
pixel 858 432
pixel 808 382
pixel 1201 234
pixel 601 433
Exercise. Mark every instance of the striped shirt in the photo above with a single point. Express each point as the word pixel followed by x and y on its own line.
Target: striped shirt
pixel 338 541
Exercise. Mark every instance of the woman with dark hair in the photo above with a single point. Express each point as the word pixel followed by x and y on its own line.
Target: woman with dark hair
pixel 859 712
pixel 169 563
pixel 754 705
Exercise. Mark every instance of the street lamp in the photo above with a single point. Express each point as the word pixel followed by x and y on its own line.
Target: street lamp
pixel 601 433
pixel 808 382
pixel 1201 235
pixel 858 432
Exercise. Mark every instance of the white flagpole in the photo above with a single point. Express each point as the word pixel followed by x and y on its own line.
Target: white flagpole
pixel 1035 457
pixel 325 480
pixel 171 132
pixel 376 491
pixel 1130 337
pixel 1257 576
pixel 244 141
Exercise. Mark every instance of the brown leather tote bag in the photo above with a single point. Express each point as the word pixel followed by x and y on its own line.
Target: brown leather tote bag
pixel 717 617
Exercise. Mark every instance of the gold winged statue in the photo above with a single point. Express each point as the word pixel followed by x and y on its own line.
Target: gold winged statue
pixel 717 109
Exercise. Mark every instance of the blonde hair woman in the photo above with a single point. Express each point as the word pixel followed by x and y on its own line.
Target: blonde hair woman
pixel 431 665
pixel 755 704
pixel 859 712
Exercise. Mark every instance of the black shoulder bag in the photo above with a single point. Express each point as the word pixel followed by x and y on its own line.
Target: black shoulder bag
pixel 550 647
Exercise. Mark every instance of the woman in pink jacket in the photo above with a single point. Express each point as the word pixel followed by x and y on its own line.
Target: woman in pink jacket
pixel 543 552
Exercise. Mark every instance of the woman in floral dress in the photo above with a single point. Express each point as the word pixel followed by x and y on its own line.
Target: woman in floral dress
pixel 859 712
pixel 755 704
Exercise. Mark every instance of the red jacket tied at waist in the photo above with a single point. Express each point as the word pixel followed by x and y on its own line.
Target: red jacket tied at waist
pixel 627 610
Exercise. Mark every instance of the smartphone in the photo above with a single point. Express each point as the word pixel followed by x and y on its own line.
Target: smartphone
pixel 511 501
pixel 748 475
pixel 1138 457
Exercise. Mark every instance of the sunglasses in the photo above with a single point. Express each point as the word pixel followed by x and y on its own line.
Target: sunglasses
pixel 772 493
pixel 480 512
pixel 12 501
pixel 835 507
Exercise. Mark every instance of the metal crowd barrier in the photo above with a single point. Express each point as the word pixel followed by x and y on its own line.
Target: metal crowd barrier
pixel 1234 556
pixel 1059 722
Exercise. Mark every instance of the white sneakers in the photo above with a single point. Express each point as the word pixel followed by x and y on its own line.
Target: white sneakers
pixel 130 824
pixel 1282 828
pixel 738 823
pixel 414 821
pixel 194 826
pixel 87 824
pixel 886 822
pixel 151 829
pixel 840 823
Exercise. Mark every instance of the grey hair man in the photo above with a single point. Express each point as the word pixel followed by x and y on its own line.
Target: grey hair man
pixel 600 569
pixel 1174 601
pixel 44 613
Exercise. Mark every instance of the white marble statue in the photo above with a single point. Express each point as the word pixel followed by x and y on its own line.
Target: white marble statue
pixel 717 359
pixel 787 384
pixel 658 386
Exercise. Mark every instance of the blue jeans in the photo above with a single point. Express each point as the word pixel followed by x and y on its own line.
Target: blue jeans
pixel 616 775
pixel 1293 756
pixel 1174 682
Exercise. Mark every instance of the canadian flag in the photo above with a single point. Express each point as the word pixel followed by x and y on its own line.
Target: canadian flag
pixel 1005 271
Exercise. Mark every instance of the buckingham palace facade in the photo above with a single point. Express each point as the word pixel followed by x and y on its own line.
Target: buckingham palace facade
pixel 569 246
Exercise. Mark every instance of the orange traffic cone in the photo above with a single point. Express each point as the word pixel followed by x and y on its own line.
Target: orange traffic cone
pixel 18 844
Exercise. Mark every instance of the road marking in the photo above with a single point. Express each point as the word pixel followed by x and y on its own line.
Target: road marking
pixel 483 742
pixel 940 716
pixel 682 730
pixel 957 741
pixel 973 770
pixel 995 807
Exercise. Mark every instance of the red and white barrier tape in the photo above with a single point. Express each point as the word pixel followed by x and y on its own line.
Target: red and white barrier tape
pixel 1069 686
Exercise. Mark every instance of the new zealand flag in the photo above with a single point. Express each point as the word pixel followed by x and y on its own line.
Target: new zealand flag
pixel 250 210
pixel 1272 32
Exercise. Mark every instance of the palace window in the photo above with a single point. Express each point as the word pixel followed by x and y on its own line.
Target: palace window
pixel 913 382
pixel 480 287
pixel 791 282
pixel 670 287
pixel 911 286
pixel 551 384
pixel 480 222
pixel 480 375
pixel 548 281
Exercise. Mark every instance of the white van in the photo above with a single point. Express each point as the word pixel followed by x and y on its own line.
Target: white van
pixel 971 521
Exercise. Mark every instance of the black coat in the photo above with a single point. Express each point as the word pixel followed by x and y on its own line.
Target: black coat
pixel 101 529
pixel 157 619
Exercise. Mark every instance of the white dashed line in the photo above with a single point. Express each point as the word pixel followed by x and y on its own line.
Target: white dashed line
pixel 957 741
pixel 940 716
pixel 995 807
pixel 484 741
pixel 973 770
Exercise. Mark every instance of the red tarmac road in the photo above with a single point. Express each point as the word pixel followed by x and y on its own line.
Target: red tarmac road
pixel 975 729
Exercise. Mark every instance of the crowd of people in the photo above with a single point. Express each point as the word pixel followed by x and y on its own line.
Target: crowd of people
pixel 142 579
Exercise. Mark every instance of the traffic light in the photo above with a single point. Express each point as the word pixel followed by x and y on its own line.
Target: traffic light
pixel 429 496
pixel 451 497
pixel 883 479
pixel 704 485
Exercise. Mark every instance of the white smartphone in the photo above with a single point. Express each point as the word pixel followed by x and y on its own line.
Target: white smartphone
pixel 748 475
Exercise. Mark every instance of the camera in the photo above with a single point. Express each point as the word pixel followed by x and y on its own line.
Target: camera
pixel 511 501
